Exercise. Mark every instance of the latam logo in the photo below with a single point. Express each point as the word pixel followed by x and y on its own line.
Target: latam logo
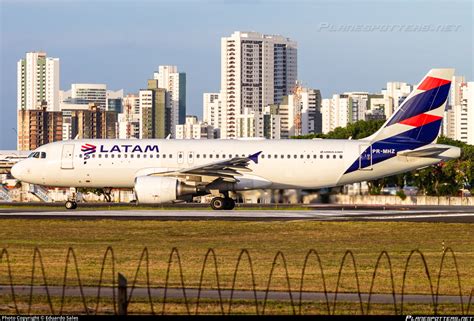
pixel 88 150
pixel 129 149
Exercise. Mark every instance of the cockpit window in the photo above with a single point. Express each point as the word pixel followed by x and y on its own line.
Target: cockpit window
pixel 37 155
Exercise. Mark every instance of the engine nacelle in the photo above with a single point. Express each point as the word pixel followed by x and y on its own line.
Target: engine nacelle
pixel 157 190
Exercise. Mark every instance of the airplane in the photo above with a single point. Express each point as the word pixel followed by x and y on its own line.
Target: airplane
pixel 164 170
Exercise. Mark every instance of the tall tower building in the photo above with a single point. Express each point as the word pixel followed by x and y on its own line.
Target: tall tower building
pixel 256 70
pixel 175 84
pixel 154 116
pixel 38 82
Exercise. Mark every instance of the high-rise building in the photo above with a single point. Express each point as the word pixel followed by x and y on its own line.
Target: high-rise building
pixel 349 107
pixel 458 122
pixel 154 116
pixel 97 94
pixel 194 129
pixel 175 84
pixel 37 127
pixel 93 122
pixel 38 82
pixel 256 70
pixel 397 92
pixel 212 112
pixel 129 118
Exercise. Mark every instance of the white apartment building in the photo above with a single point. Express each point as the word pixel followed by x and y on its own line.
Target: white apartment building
pixel 212 111
pixel 129 120
pixel 85 94
pixel 301 113
pixel 37 81
pixel 336 112
pixel 397 92
pixel 175 84
pixel 194 129
pixel 256 70
pixel 458 122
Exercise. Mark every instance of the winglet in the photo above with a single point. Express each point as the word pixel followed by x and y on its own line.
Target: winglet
pixel 254 157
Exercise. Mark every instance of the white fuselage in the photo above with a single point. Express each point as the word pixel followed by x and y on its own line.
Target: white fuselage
pixel 307 164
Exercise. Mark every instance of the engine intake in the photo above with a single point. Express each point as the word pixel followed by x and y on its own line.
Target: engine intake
pixel 158 190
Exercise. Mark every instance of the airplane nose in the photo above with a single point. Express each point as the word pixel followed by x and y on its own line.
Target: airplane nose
pixel 17 171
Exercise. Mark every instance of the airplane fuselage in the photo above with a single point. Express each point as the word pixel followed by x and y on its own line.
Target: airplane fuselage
pixel 308 164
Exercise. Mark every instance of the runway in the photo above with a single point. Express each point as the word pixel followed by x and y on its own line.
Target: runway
pixel 458 214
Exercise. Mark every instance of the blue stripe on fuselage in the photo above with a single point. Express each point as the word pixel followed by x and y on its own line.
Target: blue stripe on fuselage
pixel 389 147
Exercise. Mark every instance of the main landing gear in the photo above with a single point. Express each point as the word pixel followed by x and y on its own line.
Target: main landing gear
pixel 222 203
pixel 71 205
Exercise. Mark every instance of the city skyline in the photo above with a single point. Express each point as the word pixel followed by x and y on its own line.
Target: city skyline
pixel 328 60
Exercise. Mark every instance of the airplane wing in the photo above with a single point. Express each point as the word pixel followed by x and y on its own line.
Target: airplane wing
pixel 227 169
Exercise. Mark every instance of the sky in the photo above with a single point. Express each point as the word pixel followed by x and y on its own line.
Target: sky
pixel 343 45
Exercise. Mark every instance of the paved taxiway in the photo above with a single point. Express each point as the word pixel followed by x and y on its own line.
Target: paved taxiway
pixel 177 293
pixel 463 214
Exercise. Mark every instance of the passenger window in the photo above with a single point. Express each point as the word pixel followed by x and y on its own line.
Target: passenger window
pixel 144 156
pixel 308 156
pixel 171 156
pixel 180 155
pixel 321 156
pixel 106 155
pixel 327 156
pixel 314 156
pixel 340 156
pixel 197 156
pixel 124 155
pixel 138 155
pixel 282 156
pixel 93 155
pixel 164 155
pixel 276 156
pixel 210 155
pixel 112 156
pixel 203 155
pixel 80 156
pixel 269 156
pixel 334 156
pixel 100 155
pixel 157 155
pixel 217 155
pixel 151 155
pixel 301 156
pixel 263 155
pixel 119 155
pixel 131 155
pixel 289 156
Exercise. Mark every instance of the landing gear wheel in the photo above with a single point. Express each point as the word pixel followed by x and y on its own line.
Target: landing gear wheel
pixel 229 203
pixel 218 203
pixel 70 205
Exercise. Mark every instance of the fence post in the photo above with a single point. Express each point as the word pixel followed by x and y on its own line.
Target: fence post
pixel 122 295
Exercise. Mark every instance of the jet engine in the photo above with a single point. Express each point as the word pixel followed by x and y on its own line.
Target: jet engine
pixel 157 190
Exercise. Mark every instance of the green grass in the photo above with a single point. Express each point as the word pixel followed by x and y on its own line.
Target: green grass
pixel 263 240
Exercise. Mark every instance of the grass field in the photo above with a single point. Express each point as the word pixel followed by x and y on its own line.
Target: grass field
pixel 263 240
